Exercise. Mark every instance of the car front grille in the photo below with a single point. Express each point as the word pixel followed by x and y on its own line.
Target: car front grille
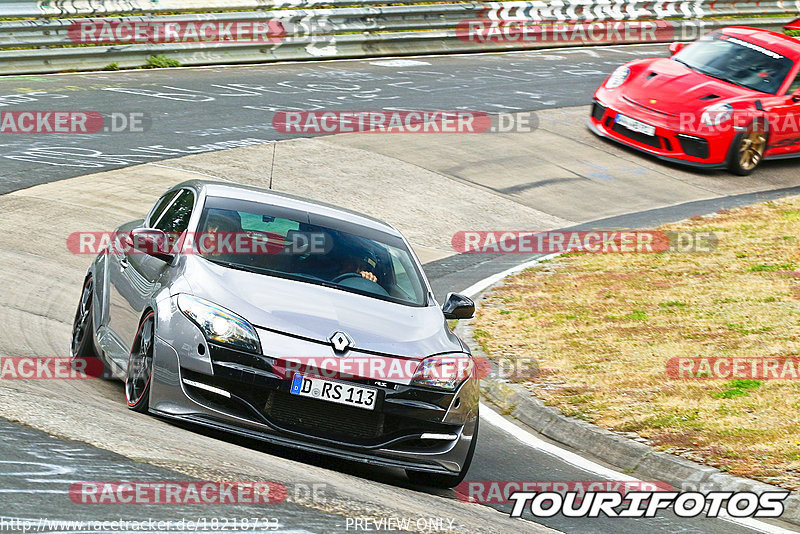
pixel 694 146
pixel 322 419
pixel 598 111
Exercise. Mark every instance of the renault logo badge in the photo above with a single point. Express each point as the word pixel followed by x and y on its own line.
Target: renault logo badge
pixel 340 342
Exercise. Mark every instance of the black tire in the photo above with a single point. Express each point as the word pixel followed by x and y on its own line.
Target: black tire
pixel 140 366
pixel 437 480
pixel 82 344
pixel 747 150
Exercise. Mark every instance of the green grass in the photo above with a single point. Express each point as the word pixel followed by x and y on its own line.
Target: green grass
pixel 161 62
pixel 672 304
pixel 767 268
pixel 737 388
pixel 637 315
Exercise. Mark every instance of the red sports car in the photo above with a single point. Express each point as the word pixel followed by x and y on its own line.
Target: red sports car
pixel 729 100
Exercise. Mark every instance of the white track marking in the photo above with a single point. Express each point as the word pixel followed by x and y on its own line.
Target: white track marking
pixel 399 63
pixel 497 420
pixel 476 288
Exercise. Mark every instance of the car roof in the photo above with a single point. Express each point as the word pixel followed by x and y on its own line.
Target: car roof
pixel 777 42
pixel 267 196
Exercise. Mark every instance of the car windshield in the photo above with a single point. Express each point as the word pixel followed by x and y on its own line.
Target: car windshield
pixel 737 61
pixel 309 247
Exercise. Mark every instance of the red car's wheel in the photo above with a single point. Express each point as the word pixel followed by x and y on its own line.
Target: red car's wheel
pixel 747 150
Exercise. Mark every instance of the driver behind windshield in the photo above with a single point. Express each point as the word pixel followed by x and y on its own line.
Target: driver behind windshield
pixel 219 223
pixel 364 265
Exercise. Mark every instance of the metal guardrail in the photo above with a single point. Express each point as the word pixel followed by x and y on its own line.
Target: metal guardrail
pixel 41 36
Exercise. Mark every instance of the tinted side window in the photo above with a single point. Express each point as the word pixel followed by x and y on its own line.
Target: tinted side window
pixel 176 218
pixel 795 85
pixel 161 205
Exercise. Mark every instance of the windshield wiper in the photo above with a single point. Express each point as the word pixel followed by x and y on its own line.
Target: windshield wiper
pixel 239 267
pixel 702 71
pixel 682 62
pixel 271 272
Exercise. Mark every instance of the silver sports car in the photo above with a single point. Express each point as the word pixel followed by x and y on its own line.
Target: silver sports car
pixel 286 320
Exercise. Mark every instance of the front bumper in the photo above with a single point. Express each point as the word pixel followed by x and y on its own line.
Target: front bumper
pixel 245 394
pixel 707 150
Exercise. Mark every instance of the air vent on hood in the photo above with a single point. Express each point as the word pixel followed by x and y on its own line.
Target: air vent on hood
pixel 710 97
pixel 652 75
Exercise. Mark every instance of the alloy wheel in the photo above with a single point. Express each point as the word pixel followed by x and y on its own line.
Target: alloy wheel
pixel 751 150
pixel 81 324
pixel 140 364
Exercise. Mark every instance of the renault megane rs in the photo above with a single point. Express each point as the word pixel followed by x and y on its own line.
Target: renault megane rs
pixel 338 348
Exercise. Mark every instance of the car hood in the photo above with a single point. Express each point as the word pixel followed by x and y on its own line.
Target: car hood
pixel 668 87
pixel 315 312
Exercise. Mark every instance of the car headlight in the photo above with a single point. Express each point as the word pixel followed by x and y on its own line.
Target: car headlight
pixel 220 325
pixel 717 114
pixel 444 372
pixel 618 77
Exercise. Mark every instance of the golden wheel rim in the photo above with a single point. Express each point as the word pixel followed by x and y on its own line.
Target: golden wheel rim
pixel 751 150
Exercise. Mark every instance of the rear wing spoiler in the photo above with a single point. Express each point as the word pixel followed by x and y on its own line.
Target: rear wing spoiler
pixel 793 28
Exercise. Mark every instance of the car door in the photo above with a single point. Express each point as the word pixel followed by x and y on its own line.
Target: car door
pixel 119 285
pixel 785 121
pixel 139 276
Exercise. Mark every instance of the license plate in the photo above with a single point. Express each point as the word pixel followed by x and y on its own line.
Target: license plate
pixel 332 391
pixel 636 126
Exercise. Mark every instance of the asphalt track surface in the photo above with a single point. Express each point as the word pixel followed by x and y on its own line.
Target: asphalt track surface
pixel 197 110
pixel 202 109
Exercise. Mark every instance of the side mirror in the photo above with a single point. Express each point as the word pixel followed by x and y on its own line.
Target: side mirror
pixel 151 242
pixel 458 307
pixel 676 47
pixel 796 97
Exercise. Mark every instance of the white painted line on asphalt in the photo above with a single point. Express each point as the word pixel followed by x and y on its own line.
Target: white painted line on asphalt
pixel 495 419
pixel 33 491
pixel 398 63
pixel 475 289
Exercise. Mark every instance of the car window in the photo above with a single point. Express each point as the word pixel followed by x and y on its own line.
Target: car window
pixel 404 282
pixel 268 225
pixel 737 61
pixel 310 248
pixel 795 85
pixel 159 207
pixel 176 218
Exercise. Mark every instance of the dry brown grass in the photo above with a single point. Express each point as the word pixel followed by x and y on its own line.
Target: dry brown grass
pixel 603 326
